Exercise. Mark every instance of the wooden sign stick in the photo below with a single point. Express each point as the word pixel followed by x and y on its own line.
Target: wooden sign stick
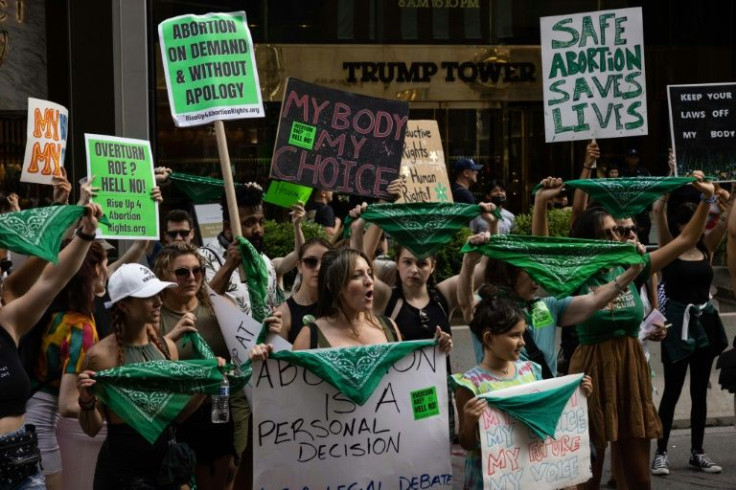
pixel 227 177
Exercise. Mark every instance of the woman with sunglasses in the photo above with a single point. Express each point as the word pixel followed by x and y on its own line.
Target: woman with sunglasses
pixel 187 308
pixel 620 409
pixel 303 303
pixel 697 335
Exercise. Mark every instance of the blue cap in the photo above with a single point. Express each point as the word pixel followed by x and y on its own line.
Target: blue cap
pixel 466 164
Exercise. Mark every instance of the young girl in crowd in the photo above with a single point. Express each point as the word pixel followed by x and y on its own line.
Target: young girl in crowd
pixel 303 302
pixel 126 459
pixel 499 324
pixel 18 441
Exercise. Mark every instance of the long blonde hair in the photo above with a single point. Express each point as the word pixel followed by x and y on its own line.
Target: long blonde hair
pixel 167 256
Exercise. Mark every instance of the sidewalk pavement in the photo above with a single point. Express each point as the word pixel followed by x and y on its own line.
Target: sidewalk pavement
pixel 719 445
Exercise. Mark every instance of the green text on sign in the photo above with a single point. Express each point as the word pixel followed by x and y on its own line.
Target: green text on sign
pixel 424 403
pixel 302 135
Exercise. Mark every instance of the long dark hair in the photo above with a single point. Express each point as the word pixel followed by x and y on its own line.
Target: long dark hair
pixel 431 281
pixel 495 313
pixel 590 224
pixel 502 276
pixel 78 294
pixel 334 274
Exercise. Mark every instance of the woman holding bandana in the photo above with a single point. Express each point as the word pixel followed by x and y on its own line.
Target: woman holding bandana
pixel 620 408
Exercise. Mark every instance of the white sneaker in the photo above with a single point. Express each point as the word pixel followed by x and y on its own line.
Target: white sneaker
pixel 660 465
pixel 703 463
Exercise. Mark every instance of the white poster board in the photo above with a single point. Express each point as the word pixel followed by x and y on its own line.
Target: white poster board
pixel 594 79
pixel 306 434
pixel 514 457
pixel 46 132
pixel 209 221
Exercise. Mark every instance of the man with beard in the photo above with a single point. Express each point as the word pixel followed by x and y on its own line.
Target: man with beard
pixel 223 258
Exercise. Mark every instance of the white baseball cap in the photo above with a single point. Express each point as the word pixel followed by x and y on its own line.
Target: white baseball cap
pixel 134 280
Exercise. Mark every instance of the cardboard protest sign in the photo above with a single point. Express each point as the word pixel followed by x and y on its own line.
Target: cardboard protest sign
pixel 423 169
pixel 210 68
pixel 515 457
pixel 398 439
pixel 334 140
pixel 703 127
pixel 594 80
pixel 46 144
pixel 123 170
pixel 286 194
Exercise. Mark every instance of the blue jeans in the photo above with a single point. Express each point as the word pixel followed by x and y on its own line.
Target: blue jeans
pixel 33 482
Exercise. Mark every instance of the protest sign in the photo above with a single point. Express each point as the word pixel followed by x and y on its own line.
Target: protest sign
pixel 209 222
pixel 594 81
pixel 423 169
pixel 46 144
pixel 398 438
pixel 210 68
pixel 513 456
pixel 334 140
pixel 123 171
pixel 286 194
pixel 703 127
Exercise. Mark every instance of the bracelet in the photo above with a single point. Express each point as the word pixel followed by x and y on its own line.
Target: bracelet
pixel 85 236
pixel 89 405
pixel 709 200
pixel 589 168
pixel 619 288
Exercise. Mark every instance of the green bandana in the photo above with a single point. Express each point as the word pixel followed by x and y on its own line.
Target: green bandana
pixel 256 272
pixel 355 371
pixel 559 265
pixel 39 231
pixel 199 189
pixel 539 411
pixel 627 196
pixel 422 227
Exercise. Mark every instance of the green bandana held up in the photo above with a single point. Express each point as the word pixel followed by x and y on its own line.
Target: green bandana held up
pixel 423 228
pixel 39 231
pixel 199 189
pixel 627 196
pixel 539 411
pixel 559 265
pixel 256 272
pixel 355 371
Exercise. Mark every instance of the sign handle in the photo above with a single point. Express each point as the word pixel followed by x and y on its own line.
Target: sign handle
pixel 227 177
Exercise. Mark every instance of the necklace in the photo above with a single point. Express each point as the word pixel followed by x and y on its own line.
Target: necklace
pixel 504 371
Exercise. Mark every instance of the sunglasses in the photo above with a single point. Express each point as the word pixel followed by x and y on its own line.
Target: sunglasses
pixel 175 233
pixel 183 273
pixel 424 318
pixel 625 230
pixel 311 262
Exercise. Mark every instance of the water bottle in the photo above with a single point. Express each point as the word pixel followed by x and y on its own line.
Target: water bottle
pixel 221 403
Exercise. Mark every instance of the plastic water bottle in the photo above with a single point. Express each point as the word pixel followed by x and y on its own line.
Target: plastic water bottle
pixel 221 403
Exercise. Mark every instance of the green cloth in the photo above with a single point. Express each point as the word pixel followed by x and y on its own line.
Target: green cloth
pixel 355 371
pixel 539 411
pixel 560 265
pixel 199 189
pixel 422 227
pixel 148 396
pixel 622 317
pixel 628 196
pixel 256 276
pixel 39 231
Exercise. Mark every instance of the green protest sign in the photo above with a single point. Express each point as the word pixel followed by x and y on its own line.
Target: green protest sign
pixel 210 68
pixel 123 171
pixel 286 194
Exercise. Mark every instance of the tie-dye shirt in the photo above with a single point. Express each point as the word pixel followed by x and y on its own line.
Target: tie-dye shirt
pixel 64 345
pixel 479 380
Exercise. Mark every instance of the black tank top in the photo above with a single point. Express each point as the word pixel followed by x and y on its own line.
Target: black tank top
pixel 298 312
pixel 15 385
pixel 688 281
pixel 416 324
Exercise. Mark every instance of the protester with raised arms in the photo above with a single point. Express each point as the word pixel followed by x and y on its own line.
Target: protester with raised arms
pixel 18 466
pixel 609 350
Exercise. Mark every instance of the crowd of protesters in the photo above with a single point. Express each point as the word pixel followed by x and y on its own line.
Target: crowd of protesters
pixel 63 322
